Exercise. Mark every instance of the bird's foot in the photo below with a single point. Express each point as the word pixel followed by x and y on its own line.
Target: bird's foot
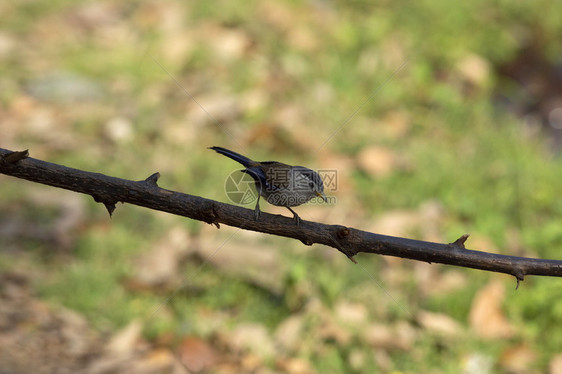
pixel 297 219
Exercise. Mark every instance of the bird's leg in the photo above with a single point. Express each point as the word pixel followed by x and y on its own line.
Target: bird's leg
pixel 296 217
pixel 257 210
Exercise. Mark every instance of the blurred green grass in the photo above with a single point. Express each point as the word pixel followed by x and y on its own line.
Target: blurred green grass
pixel 320 60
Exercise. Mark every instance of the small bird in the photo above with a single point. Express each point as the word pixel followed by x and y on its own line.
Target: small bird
pixel 280 184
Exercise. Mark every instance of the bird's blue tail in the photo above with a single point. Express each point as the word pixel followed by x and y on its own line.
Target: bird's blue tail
pixel 235 156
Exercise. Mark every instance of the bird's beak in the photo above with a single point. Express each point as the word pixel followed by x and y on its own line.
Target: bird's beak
pixel 322 196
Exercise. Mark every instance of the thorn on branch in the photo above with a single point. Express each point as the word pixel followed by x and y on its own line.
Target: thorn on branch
pixel 214 215
pixel 459 243
pixel 153 179
pixel 341 233
pixel 109 205
pixel 110 208
pixel 307 242
pixel 13 157
pixel 518 273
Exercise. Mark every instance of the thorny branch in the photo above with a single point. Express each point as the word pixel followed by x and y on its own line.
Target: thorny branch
pixel 110 190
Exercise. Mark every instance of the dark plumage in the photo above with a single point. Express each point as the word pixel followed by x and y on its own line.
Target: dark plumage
pixel 280 184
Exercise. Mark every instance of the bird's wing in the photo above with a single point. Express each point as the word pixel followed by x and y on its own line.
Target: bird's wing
pixel 277 175
pixel 272 176
pixel 259 176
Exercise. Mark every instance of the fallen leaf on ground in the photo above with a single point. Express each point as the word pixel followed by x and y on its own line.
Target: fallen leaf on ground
pixel 325 324
pixel 258 264
pixel 160 266
pixel 434 280
pixel 288 333
pixel 352 314
pixel 159 360
pixel 425 222
pixel 474 69
pixel 439 323
pixel 295 366
pixel 253 338
pixel 396 124
pixel 401 336
pixel 125 340
pixel 197 355
pixel 518 359
pixel 486 317
pixel 555 365
pixel 377 161
pixel 227 43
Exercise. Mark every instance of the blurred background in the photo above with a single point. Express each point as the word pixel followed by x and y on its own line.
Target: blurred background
pixel 439 118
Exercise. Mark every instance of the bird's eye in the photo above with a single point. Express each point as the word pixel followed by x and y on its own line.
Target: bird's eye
pixel 311 184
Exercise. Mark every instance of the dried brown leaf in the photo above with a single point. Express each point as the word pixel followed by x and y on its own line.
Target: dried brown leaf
pixel 439 323
pixel 518 359
pixel 197 354
pixel 377 161
pixel 555 365
pixel 486 317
